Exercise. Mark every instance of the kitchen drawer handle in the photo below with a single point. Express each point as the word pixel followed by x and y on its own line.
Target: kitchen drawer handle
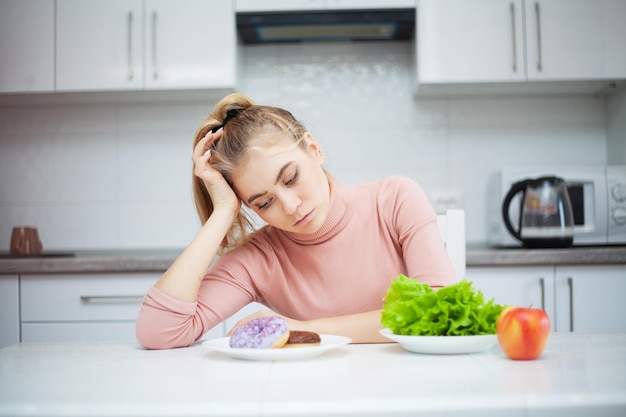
pixel 111 298
pixel 129 27
pixel 514 40
pixel 570 284
pixel 542 284
pixel 539 54
pixel 155 71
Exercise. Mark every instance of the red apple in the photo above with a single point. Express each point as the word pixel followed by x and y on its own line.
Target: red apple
pixel 523 332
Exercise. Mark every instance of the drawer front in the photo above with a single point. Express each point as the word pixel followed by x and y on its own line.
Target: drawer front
pixel 83 297
pixel 91 332
pixel 78 332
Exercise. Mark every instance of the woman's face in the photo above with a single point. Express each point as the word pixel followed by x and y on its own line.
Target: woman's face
pixel 286 186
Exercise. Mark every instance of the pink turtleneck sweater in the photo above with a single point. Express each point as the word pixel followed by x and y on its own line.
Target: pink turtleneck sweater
pixel 373 232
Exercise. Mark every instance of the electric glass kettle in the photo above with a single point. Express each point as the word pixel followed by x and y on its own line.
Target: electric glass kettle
pixel 546 217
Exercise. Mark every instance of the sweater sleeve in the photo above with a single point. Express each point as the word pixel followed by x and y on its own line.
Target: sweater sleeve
pixel 415 221
pixel 161 319
pixel 165 322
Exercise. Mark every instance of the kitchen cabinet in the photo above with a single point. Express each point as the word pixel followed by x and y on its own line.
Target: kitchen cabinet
pixel 9 310
pixel 513 41
pixel 519 286
pixel 26 46
pixel 84 307
pixel 577 298
pixel 590 299
pixel 460 41
pixel 290 5
pixel 145 44
pixel 575 39
pixel 81 307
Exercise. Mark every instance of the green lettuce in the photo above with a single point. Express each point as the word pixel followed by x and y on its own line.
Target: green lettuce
pixel 413 308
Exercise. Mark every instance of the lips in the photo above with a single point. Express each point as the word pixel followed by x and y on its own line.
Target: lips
pixel 304 220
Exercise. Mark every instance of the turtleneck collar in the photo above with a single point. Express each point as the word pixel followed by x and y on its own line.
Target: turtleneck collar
pixel 339 213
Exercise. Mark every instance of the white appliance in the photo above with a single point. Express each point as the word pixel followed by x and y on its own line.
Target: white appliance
pixel 597 193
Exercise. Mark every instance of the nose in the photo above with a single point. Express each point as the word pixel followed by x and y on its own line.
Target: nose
pixel 290 201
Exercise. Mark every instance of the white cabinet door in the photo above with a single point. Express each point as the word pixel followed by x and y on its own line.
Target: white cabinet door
pixel 576 39
pixel 9 310
pixel 78 332
pixel 462 41
pixel 145 44
pixel 26 46
pixel 99 45
pixel 591 298
pixel 190 44
pixel 517 286
pixel 85 307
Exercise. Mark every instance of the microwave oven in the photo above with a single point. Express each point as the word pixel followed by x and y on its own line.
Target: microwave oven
pixel 597 193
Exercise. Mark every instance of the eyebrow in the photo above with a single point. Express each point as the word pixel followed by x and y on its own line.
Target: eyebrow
pixel 278 177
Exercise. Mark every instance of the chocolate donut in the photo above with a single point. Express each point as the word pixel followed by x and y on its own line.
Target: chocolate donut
pixel 301 337
pixel 260 333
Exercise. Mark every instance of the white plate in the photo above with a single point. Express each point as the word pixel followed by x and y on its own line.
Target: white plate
pixel 443 345
pixel 327 343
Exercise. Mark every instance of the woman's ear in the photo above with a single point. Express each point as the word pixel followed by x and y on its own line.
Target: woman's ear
pixel 314 148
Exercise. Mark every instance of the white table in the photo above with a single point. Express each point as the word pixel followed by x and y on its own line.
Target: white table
pixel 577 375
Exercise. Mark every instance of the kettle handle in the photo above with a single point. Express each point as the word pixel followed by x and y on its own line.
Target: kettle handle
pixel 515 189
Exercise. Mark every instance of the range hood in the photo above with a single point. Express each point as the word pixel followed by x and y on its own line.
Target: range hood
pixel 326 25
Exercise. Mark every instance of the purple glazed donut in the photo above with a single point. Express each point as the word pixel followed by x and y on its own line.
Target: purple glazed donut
pixel 260 333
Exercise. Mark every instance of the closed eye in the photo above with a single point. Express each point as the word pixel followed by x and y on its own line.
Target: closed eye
pixel 293 178
pixel 265 205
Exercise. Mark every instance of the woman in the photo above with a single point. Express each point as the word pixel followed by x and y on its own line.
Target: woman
pixel 325 258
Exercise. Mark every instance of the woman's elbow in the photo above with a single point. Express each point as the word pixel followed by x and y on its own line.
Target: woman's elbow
pixel 151 339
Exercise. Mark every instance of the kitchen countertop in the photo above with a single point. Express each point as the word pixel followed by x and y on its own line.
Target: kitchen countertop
pixel 577 375
pixel 160 260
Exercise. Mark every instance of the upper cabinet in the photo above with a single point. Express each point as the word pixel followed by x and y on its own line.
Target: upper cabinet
pixel 26 46
pixel 99 45
pixel 144 44
pixel 462 41
pixel 576 39
pixel 514 41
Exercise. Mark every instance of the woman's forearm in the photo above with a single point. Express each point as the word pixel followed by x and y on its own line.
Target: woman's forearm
pixel 183 278
pixel 361 328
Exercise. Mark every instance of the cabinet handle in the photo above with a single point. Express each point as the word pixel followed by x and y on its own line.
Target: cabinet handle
pixel 539 54
pixel 129 27
pixel 110 298
pixel 155 70
pixel 570 284
pixel 542 285
pixel 513 39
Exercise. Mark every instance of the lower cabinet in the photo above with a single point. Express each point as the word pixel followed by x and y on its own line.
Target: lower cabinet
pixel 586 299
pixel 85 307
pixel 9 310
pixel 82 307
pixel 590 299
pixel 527 286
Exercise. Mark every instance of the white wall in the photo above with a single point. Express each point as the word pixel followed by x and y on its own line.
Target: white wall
pixel 117 176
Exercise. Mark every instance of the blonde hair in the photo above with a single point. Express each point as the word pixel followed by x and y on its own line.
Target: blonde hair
pixel 252 127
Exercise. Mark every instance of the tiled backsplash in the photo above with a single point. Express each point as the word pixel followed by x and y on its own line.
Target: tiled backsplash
pixel 117 176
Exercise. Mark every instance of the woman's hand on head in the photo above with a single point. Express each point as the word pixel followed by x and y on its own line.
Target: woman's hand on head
pixel 292 324
pixel 222 195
